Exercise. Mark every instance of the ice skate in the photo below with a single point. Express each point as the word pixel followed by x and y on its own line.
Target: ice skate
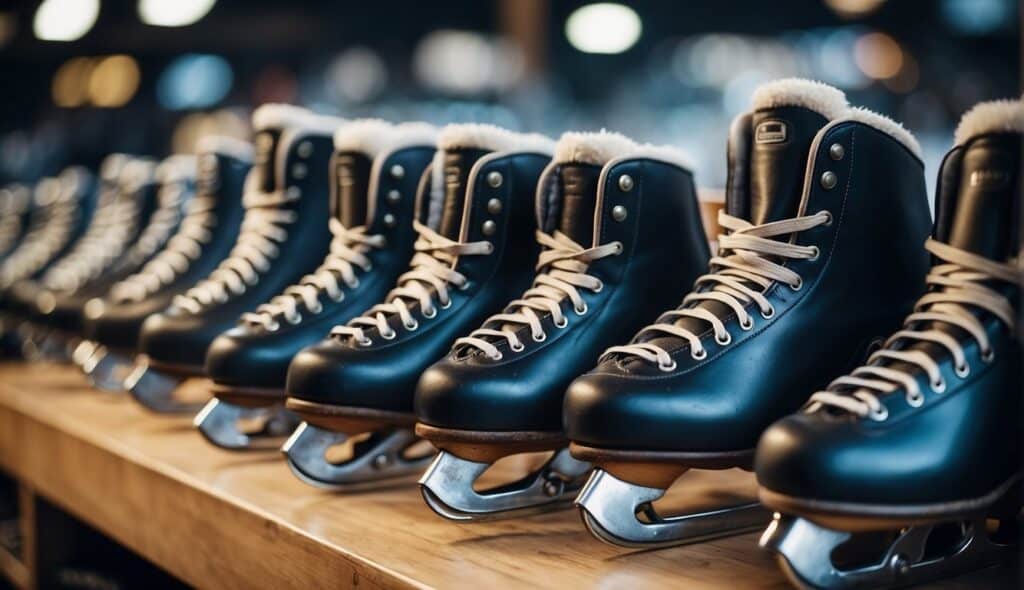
pixel 908 468
pixel 825 211
pixel 475 224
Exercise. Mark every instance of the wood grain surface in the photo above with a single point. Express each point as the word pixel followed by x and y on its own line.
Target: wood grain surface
pixel 222 519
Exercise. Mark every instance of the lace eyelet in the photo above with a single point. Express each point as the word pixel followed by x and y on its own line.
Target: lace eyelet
pixel 939 386
pixel 828 217
pixel 339 298
pixel 411 326
pixel 390 335
pixel 700 355
pixel 563 323
pixel 542 337
pixel 517 347
pixel 431 315
pixel 598 288
pixel 768 314
pixel 465 286
pixel 989 355
pixel 354 284
pixel 295 319
pixel 581 310
pixel 797 286
pixel 880 415
pixel 748 326
pixel 365 342
pixel 724 341
pixel 817 253
pixel 669 367
pixel 496 357
pixel 619 248
pixel 318 309
pixel 446 304
pixel 915 401
pixel 274 327
pixel 963 372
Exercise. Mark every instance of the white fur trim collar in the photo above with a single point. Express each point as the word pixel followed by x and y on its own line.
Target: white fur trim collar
pixel 819 97
pixel 601 147
pixel 280 116
pixel 996 116
pixel 374 136
pixel 493 138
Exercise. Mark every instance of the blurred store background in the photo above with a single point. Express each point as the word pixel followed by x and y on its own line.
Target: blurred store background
pixel 82 78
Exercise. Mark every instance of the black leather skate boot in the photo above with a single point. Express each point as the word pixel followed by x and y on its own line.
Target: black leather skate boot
pixel 377 167
pixel 826 211
pixel 923 440
pixel 206 235
pixel 622 240
pixel 62 209
pixel 284 236
pixel 475 226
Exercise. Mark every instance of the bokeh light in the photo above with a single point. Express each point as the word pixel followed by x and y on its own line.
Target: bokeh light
pixel 173 13
pixel 70 87
pixel 603 28
pixel 466 62
pixel 878 55
pixel 65 20
pixel 114 81
pixel 194 81
pixel 357 74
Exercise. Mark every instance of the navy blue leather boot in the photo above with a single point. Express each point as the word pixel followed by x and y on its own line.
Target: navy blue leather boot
pixel 212 220
pixel 376 169
pixel 826 211
pixel 284 236
pixel 621 239
pixel 924 439
pixel 475 223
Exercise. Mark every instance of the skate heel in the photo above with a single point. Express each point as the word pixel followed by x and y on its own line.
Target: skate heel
pixel 447 487
pixel 610 507
pixel 235 427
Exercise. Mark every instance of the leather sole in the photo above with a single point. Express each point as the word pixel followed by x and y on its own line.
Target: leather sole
pixel 484 446
pixel 348 419
pixel 248 397
pixel 658 469
pixel 858 517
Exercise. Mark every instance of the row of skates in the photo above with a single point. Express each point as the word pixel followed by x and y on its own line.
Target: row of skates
pixel 398 300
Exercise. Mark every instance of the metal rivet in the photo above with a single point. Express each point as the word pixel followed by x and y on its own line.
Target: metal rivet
pixel 626 183
pixel 389 220
pixel 294 192
pixel 494 206
pixel 829 179
pixel 836 151
pixel 489 228
pixel 305 149
pixel 619 213
pixel 397 171
pixel 299 170
pixel 495 179
pixel 394 196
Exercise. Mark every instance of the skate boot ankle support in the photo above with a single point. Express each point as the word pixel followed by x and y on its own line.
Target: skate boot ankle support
pixel 922 441
pixel 211 223
pixel 371 225
pixel 621 238
pixel 283 236
pixel 825 213
pixel 474 227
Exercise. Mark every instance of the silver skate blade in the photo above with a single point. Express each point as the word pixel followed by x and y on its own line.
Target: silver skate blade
pixel 155 391
pixel 376 459
pixel 805 554
pixel 106 370
pixel 609 508
pixel 447 487
pixel 219 423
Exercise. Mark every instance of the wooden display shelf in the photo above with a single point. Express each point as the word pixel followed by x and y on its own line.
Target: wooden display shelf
pixel 241 520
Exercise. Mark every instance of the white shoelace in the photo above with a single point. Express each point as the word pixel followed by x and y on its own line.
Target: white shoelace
pixel 955 287
pixel 11 219
pixel 348 251
pixel 747 263
pixel 431 275
pixel 49 231
pixel 562 269
pixel 262 229
pixel 175 259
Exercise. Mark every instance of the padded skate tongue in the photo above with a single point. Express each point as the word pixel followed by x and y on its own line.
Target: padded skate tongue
pixel 456 164
pixel 781 140
pixel 352 181
pixel 578 184
pixel 987 202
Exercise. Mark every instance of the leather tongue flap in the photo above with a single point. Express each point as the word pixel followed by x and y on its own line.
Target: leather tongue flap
pixel 263 160
pixel 351 187
pixel 987 210
pixel 781 142
pixel 448 193
pixel 577 190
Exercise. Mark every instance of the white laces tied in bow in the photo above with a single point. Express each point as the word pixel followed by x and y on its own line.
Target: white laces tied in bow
pixel 747 263
pixel 954 288
pixel 262 229
pixel 562 269
pixel 348 251
pixel 431 275
pixel 175 259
